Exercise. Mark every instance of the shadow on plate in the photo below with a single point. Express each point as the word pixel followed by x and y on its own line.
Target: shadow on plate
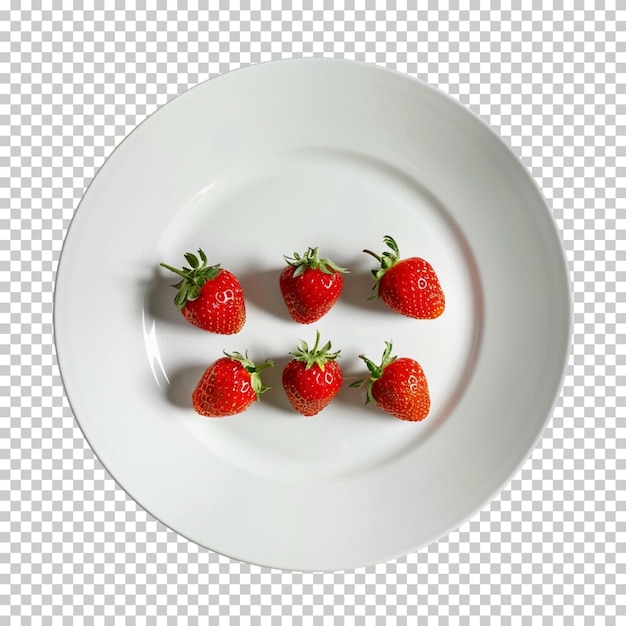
pixel 358 287
pixel 159 298
pixel 355 397
pixel 260 287
pixel 273 378
pixel 182 383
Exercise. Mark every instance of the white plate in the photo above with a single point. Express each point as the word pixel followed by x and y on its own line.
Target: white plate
pixel 264 162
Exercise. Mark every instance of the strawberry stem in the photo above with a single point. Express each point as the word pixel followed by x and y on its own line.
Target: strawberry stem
pixel 376 256
pixel 193 278
pixel 387 260
pixel 253 370
pixel 181 273
pixel 376 371
pixel 311 260
pixel 315 356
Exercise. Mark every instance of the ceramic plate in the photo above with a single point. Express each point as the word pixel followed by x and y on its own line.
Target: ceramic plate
pixel 264 162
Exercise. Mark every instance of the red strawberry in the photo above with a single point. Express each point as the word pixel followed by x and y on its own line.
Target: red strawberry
pixel 398 386
pixel 312 378
pixel 229 386
pixel 209 297
pixel 310 286
pixel 407 286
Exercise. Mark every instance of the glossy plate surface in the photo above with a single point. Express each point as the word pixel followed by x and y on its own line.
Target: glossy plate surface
pixel 264 162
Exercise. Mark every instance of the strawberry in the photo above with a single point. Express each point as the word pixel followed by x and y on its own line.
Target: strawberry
pixel 229 386
pixel 310 286
pixel 209 297
pixel 407 286
pixel 397 386
pixel 312 378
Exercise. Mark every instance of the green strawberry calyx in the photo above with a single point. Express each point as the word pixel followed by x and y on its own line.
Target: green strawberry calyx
pixel 387 260
pixel 376 371
pixel 254 370
pixel 316 355
pixel 311 260
pixel 193 278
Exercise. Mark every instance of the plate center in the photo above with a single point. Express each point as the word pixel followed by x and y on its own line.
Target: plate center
pixel 341 202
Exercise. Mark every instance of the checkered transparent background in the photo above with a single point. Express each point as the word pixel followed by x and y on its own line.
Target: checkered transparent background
pixel 75 82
